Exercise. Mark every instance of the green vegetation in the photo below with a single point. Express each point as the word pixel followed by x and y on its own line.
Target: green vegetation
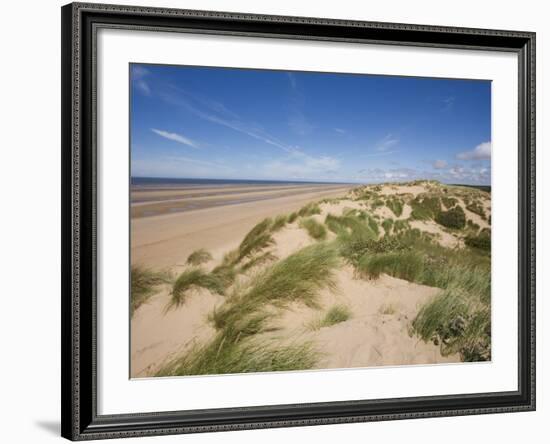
pixel 453 218
pixel 235 348
pixel 425 207
pixel 336 314
pixel 142 285
pixel 309 210
pixel 476 208
pixel 481 241
pixel 257 239
pixel 199 257
pixel 225 273
pixel 404 265
pixel 292 217
pixel 387 225
pixel 400 226
pixel 192 279
pixel 296 278
pixel 354 248
pixel 459 318
pixel 377 203
pixel 449 202
pixel 226 355
pixel 258 261
pixel 396 205
pixel 279 222
pixel 316 230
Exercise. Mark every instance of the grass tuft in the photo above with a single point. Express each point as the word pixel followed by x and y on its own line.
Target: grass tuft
pixel 192 279
pixel 226 355
pixel 316 230
pixel 453 218
pixel 257 239
pixel 298 277
pixel 142 284
pixel 335 315
pixel 199 257
pixel 309 210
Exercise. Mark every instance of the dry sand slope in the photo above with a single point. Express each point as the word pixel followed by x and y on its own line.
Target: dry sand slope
pixel 377 330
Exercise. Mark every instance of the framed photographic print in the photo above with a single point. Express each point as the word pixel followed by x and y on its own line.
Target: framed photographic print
pixel 280 221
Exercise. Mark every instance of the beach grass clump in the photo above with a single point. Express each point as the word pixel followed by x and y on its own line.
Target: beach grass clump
pixel 377 203
pixel 309 210
pixel 453 218
pixel 387 225
pixel 316 230
pixel 425 207
pixel 403 265
pixel 373 225
pixel 226 355
pixel 472 226
pixel 336 314
pixel 476 208
pixel 199 257
pixel 298 278
pixel 192 279
pixel 458 319
pixel 279 222
pixel 258 260
pixel 257 239
pixel 142 285
pixel 395 205
pixel 292 217
pixel 449 202
pixel 400 225
pixel 482 241
pixel 225 273
pixel 354 248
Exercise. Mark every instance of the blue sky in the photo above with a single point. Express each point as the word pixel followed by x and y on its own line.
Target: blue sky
pixel 194 122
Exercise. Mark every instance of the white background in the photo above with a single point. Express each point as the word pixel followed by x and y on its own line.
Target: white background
pixel 30 234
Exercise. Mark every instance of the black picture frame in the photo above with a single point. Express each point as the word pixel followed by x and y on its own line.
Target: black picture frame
pixel 80 22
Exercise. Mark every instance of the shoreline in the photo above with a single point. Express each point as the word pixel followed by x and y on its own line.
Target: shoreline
pixel 165 240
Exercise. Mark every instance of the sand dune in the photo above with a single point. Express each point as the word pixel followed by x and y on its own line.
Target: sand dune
pixel 378 331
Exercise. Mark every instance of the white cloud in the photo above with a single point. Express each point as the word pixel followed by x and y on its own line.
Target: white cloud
pixel 138 75
pixel 340 130
pixel 439 164
pixel 300 165
pixel 176 138
pixel 480 152
pixel 386 143
pixel 383 153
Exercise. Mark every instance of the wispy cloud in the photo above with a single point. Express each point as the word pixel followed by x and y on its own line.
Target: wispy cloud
pixel 448 103
pixel 439 164
pixel 216 112
pixel 300 165
pixel 480 152
pixel 389 141
pixel 383 153
pixel 340 130
pixel 176 138
pixel 139 73
pixel 292 80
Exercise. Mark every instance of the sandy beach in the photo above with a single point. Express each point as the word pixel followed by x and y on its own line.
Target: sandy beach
pixel 380 310
pixel 216 218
